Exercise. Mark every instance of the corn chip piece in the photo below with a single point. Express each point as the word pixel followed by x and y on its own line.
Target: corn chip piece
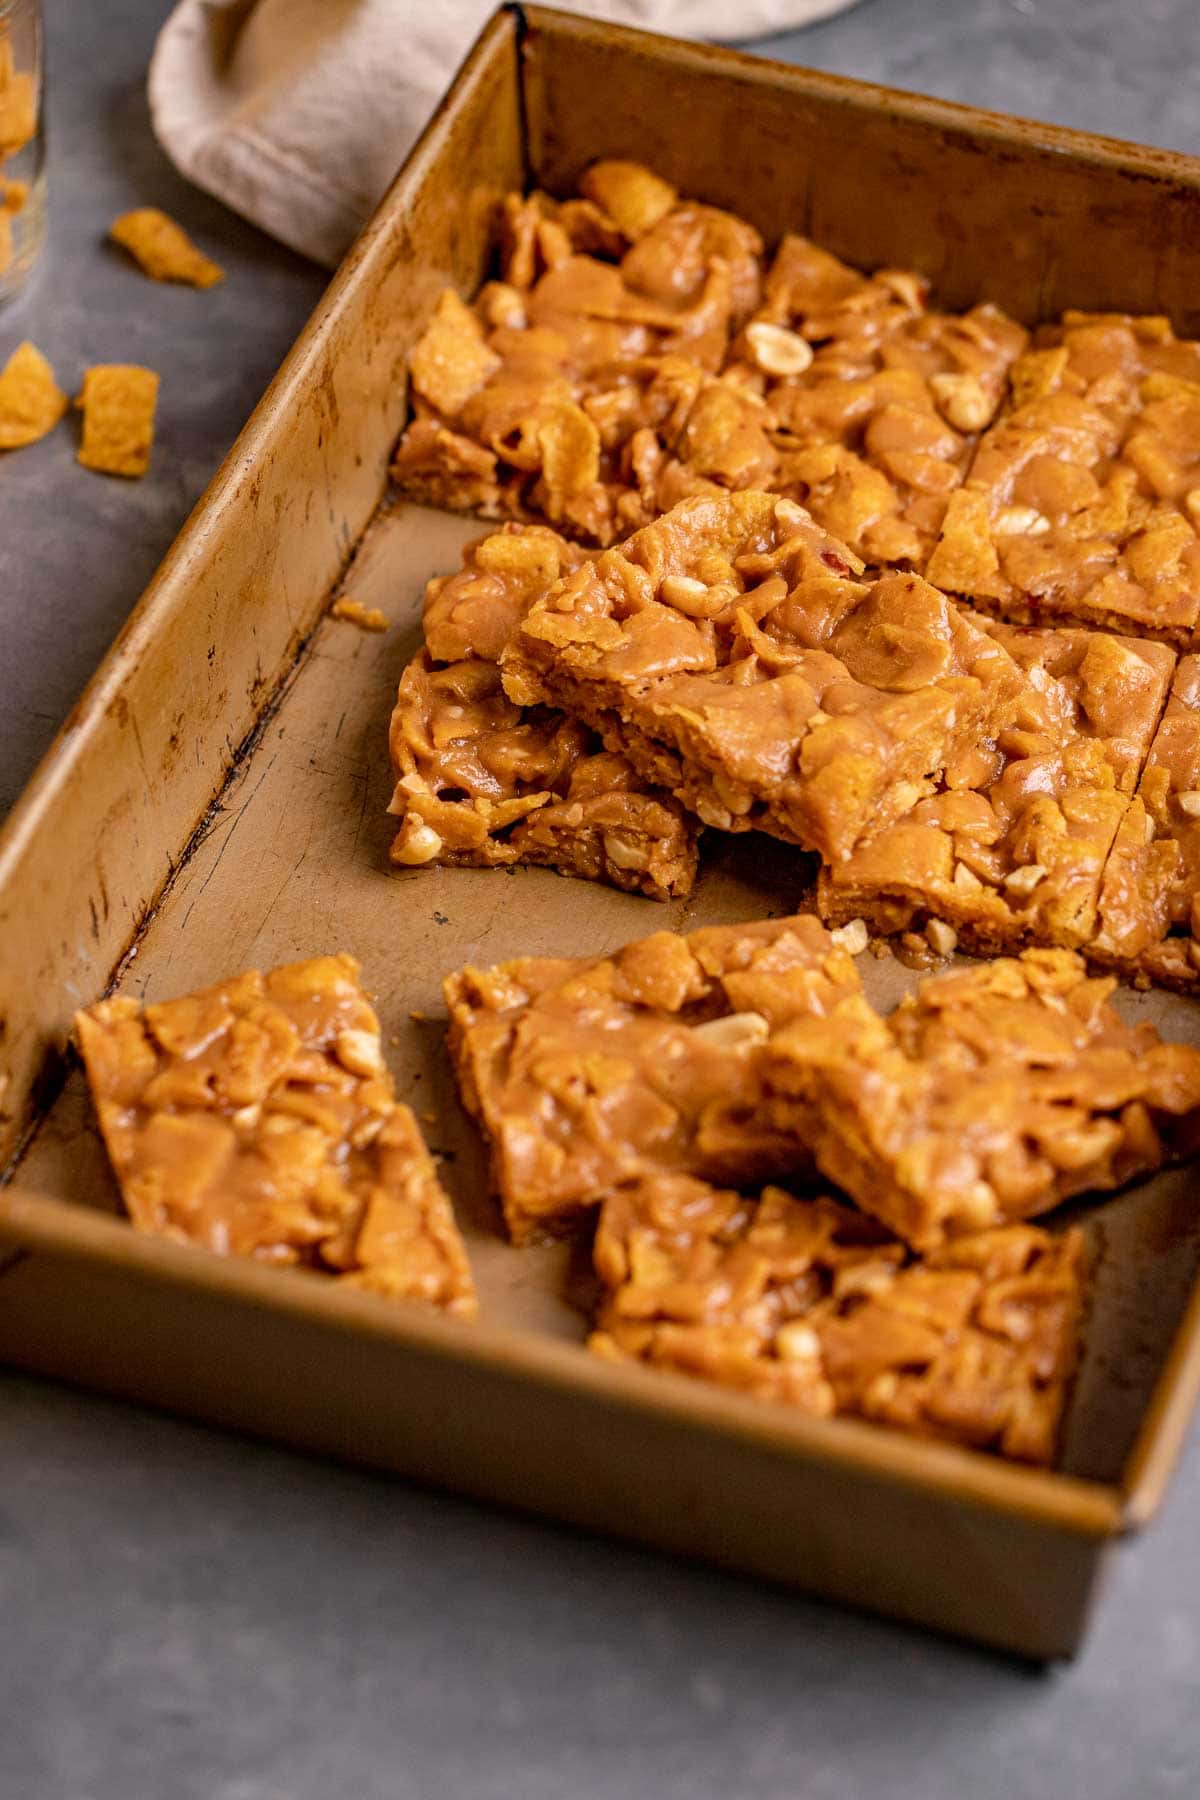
pixel 633 196
pixel 452 361
pixel 118 402
pixel 18 112
pixel 965 560
pixel 367 618
pixel 13 195
pixel 163 249
pixel 570 446
pixel 31 401
pixel 1036 374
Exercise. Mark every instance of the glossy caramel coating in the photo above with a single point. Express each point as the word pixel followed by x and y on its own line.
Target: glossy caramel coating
pixel 731 654
pixel 1012 847
pixel 257 1118
pixel 1149 905
pixel 484 783
pixel 638 349
pixel 590 1072
pixel 1081 501
pixel 989 1096
pixel 809 1304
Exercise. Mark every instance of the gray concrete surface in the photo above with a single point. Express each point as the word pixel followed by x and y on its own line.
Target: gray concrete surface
pixel 184 1616
pixel 76 548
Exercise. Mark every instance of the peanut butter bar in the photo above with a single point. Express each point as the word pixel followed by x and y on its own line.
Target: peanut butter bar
pixel 1012 848
pixel 728 652
pixel 257 1118
pixel 808 1303
pixel 592 1072
pixel 875 402
pixel 1081 501
pixel 987 1097
pixel 581 387
pixel 481 782
pixel 475 611
pixel 1149 907
pixel 631 356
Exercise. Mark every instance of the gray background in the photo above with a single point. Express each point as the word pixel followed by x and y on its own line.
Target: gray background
pixel 184 1616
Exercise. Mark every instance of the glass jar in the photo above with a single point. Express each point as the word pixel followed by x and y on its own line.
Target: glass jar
pixel 22 143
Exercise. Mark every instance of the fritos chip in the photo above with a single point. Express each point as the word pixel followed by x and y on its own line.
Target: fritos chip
pixel 631 195
pixel 163 249
pixel 367 618
pixel 965 560
pixel 118 401
pixel 570 446
pixel 31 401
pixel 1037 374
pixel 451 362
pixel 18 111
pixel 13 195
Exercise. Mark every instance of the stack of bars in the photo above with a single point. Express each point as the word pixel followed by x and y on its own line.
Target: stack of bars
pixel 784 550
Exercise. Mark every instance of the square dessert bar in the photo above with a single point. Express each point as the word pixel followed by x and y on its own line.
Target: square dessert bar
pixel 587 1073
pixel 876 403
pixel 987 1097
pixel 1082 498
pixel 810 1304
pixel 581 386
pixel 632 354
pixel 483 783
pixel 1149 908
pixel 1013 847
pixel 727 651
pixel 257 1118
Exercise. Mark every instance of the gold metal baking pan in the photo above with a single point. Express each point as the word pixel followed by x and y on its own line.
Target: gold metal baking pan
pixel 217 800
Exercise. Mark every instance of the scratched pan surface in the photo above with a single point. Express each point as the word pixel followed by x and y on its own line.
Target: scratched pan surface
pixel 293 863
pixel 218 802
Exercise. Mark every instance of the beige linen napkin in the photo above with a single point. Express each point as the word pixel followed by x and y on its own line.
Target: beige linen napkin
pixel 298 113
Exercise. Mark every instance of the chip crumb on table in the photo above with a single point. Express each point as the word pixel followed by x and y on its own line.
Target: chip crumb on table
pixel 118 402
pixel 162 249
pixel 31 401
